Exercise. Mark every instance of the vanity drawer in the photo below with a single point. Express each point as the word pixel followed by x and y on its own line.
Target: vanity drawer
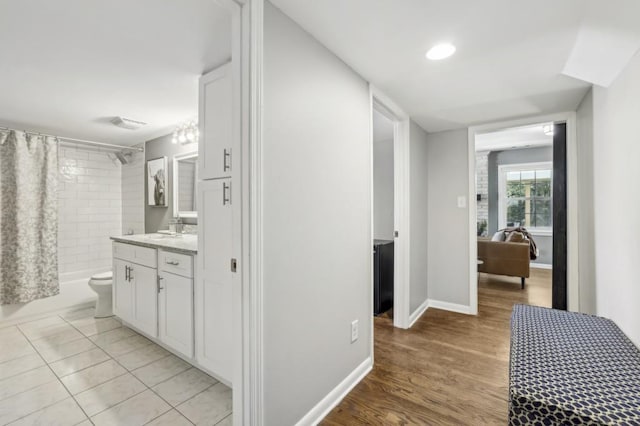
pixel 176 263
pixel 136 254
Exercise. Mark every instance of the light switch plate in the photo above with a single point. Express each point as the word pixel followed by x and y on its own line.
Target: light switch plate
pixel 462 201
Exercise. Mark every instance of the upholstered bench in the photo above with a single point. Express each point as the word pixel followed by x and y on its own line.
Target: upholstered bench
pixel 569 369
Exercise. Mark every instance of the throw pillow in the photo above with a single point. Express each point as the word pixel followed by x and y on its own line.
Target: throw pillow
pixel 515 237
pixel 498 236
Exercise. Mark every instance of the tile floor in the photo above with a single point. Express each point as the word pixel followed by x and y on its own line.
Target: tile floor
pixel 73 369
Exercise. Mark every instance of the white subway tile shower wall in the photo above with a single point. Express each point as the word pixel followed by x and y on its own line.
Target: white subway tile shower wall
pixel 133 197
pixel 90 208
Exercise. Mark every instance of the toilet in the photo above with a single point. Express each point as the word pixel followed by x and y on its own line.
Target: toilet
pixel 101 284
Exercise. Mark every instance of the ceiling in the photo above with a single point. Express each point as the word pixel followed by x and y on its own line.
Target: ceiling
pixel 514 138
pixel 69 66
pixel 509 61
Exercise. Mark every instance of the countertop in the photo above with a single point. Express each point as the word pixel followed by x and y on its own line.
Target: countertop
pixel 186 243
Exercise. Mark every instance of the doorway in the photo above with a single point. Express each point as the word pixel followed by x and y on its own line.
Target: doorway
pixel 521 213
pixel 383 214
pixel 390 127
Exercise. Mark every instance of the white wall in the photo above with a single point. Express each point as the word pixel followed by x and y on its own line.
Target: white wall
pixel 133 196
pixel 586 261
pixel 419 206
pixel 89 210
pixel 616 150
pixel 383 198
pixel 316 219
pixel 448 177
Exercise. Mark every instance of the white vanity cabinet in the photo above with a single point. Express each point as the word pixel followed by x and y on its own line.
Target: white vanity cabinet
pixel 175 297
pixel 134 287
pixel 122 290
pixel 216 121
pixel 153 293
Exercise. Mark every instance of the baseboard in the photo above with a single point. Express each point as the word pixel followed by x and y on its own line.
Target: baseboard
pixel 540 265
pixel 418 312
pixel 453 307
pixel 334 397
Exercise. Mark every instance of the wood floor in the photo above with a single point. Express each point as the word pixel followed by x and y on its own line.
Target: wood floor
pixel 448 369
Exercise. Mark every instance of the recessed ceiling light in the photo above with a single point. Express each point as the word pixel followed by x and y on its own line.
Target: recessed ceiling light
pixel 441 51
pixel 127 123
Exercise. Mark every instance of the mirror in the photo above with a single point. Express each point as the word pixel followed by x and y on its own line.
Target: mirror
pixel 185 176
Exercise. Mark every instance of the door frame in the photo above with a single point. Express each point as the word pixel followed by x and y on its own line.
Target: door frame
pixel 401 219
pixel 573 287
pixel 248 408
pixel 246 48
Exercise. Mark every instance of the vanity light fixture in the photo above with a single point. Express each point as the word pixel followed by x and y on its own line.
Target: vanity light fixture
pixel 186 133
pixel 441 51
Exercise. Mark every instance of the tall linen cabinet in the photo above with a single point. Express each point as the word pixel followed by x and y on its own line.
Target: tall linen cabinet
pixel 218 233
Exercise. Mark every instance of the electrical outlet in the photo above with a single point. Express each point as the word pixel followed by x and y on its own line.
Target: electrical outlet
pixel 354 330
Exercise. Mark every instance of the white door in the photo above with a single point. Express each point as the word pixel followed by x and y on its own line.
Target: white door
pixel 176 312
pixel 214 294
pixel 216 123
pixel 122 290
pixel 145 285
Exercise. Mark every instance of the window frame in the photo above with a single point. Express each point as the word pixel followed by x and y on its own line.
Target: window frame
pixel 502 189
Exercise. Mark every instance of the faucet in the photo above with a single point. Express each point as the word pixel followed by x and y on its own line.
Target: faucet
pixel 175 225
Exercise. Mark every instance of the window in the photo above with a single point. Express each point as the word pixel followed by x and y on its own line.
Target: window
pixel 526 196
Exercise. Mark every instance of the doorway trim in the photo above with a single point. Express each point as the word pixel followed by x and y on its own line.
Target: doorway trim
pixel 246 45
pixel 401 219
pixel 573 288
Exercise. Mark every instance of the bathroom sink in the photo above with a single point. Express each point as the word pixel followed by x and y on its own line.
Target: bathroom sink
pixel 188 242
pixel 160 236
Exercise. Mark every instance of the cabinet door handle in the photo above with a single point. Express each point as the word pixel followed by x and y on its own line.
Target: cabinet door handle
pixel 130 271
pixel 226 198
pixel 226 165
pixel 159 286
pixel 126 272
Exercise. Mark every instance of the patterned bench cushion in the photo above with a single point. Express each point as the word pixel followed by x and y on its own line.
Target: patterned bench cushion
pixel 569 368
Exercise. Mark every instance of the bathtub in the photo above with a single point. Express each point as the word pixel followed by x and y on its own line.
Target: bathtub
pixel 74 293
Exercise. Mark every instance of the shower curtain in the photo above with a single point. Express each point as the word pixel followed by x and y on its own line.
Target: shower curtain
pixel 28 217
